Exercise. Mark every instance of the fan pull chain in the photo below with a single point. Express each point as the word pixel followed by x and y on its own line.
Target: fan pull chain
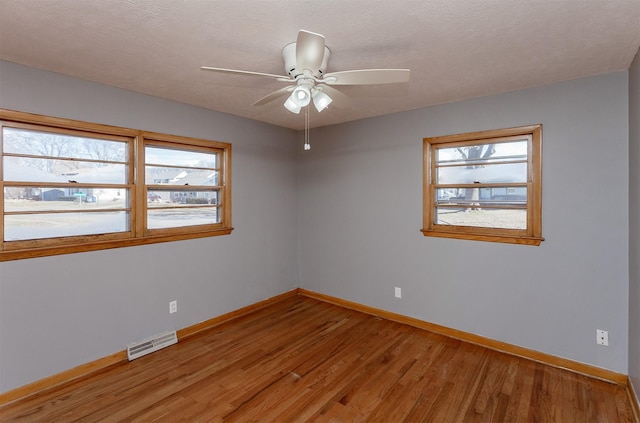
pixel 307 144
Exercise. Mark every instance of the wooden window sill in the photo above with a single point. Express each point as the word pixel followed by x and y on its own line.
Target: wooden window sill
pixel 522 240
pixel 105 245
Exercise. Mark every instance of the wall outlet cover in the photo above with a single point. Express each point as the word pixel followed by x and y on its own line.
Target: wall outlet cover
pixel 602 337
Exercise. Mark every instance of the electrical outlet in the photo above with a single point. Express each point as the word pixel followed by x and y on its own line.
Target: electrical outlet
pixel 173 307
pixel 602 337
pixel 398 292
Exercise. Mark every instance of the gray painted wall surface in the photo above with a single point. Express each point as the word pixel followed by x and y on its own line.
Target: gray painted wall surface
pixel 361 214
pixel 59 312
pixel 343 220
pixel 634 223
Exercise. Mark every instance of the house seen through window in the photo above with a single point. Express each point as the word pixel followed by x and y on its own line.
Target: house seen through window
pixel 190 193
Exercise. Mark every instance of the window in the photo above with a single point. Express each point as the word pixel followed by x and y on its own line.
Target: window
pixel 72 186
pixel 485 186
pixel 192 195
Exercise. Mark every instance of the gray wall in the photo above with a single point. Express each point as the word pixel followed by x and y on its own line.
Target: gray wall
pixel 361 213
pixel 59 312
pixel 344 220
pixel 634 223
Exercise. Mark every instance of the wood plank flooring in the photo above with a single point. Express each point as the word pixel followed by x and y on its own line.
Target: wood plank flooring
pixel 304 360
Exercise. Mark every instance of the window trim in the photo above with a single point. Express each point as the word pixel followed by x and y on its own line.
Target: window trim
pixel 532 235
pixel 224 168
pixel 136 234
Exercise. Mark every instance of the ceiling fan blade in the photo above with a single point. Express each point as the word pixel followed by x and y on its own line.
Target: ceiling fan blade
pixel 274 95
pixel 309 50
pixel 241 72
pixel 339 100
pixel 367 76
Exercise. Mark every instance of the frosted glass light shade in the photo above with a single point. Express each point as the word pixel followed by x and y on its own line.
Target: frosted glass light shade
pixel 292 106
pixel 321 101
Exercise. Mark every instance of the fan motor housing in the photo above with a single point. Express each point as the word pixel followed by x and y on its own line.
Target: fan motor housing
pixel 290 65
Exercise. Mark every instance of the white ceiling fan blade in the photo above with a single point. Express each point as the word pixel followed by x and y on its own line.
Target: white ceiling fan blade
pixel 367 76
pixel 241 72
pixel 309 50
pixel 274 95
pixel 339 100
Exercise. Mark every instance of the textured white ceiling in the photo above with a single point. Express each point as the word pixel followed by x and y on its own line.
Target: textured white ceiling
pixel 456 49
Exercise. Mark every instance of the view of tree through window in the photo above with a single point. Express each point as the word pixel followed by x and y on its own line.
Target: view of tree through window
pixel 484 184
pixel 502 204
pixel 76 183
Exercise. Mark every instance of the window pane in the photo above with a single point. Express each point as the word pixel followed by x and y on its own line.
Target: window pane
pixel 39 226
pixel 181 205
pixel 37 143
pixel 182 216
pixel 486 218
pixel 155 175
pixel 483 153
pixel 185 198
pixel 43 199
pixel 26 169
pixel 179 157
pixel 513 196
pixel 486 174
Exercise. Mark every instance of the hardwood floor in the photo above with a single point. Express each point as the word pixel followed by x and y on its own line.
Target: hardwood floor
pixel 305 360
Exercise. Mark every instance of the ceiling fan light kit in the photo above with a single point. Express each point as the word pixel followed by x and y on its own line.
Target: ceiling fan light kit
pixel 305 64
pixel 302 96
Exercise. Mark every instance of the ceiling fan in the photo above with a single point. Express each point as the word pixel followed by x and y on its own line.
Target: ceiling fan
pixel 305 65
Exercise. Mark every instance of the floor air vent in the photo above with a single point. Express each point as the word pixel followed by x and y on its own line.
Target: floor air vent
pixel 162 340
